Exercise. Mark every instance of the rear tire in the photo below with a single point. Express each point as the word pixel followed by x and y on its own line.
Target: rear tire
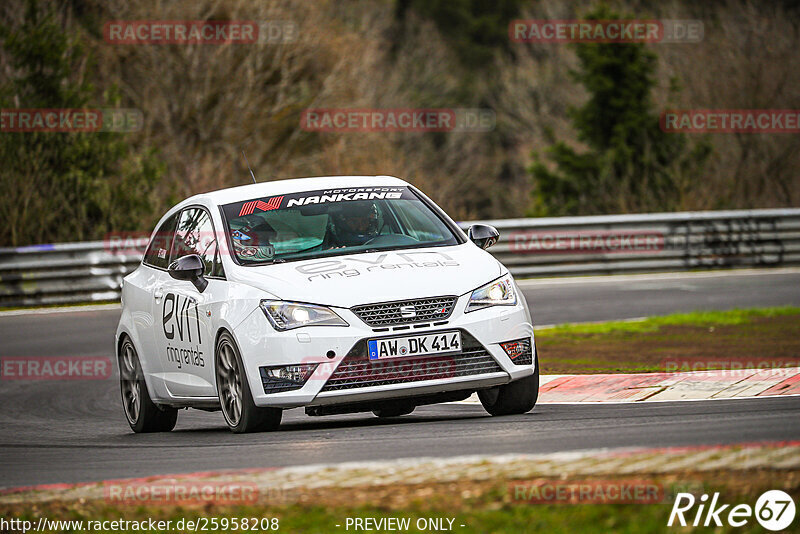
pixel 515 398
pixel 240 412
pixel 142 413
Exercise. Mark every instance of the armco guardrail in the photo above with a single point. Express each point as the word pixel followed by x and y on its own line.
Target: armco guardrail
pixel 92 271
pixel 648 242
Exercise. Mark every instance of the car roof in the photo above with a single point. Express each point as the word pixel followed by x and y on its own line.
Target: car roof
pixel 293 185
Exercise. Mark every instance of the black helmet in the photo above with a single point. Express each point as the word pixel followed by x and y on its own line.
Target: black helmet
pixel 355 223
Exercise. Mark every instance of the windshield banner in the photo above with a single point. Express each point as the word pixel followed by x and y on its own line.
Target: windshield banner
pixel 322 196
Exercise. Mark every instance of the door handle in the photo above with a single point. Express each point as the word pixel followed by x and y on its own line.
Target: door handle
pixel 158 294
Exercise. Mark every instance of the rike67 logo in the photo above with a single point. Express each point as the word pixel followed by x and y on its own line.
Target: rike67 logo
pixel 774 510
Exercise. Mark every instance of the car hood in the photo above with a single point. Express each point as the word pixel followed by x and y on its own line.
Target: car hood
pixel 346 281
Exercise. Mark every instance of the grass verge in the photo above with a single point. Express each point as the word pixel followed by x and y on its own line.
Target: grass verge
pixel 473 506
pixel 760 337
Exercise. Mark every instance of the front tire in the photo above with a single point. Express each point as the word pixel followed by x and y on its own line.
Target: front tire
pixel 142 413
pixel 515 398
pixel 240 412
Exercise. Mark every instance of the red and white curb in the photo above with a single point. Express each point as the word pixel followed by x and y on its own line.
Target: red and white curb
pixel 691 385
pixel 286 484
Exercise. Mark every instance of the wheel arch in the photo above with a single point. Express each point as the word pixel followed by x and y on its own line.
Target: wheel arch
pixel 121 336
pixel 223 329
pixel 251 381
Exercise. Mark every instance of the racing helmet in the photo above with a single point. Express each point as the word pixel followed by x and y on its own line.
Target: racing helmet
pixel 254 243
pixel 355 223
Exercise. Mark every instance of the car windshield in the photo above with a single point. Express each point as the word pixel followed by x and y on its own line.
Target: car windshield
pixel 330 222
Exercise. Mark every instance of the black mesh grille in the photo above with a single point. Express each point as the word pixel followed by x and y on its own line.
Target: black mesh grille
pixel 272 385
pixel 357 371
pixel 521 353
pixel 392 313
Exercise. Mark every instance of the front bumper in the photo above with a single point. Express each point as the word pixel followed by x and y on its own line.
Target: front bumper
pixel 486 328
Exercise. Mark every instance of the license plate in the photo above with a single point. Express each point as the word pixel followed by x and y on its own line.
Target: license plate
pixel 420 345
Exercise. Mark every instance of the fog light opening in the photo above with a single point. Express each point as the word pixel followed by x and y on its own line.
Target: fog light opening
pixel 286 378
pixel 518 351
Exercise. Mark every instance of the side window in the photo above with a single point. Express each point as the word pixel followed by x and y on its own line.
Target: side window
pixel 195 235
pixel 157 253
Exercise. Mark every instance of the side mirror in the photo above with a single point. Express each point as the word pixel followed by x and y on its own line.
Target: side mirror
pixel 483 235
pixel 190 269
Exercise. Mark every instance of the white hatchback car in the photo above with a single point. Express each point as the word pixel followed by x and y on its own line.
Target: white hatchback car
pixel 338 294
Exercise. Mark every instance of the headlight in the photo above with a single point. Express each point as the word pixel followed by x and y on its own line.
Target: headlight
pixel 497 293
pixel 288 315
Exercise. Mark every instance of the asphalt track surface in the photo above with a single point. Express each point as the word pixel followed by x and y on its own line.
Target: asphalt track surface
pixel 74 431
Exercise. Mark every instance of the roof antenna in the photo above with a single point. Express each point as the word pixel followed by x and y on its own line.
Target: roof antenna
pixel 248 167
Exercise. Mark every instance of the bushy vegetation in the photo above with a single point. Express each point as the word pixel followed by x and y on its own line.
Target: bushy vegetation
pixel 60 186
pixel 630 164
pixel 477 29
pixel 203 103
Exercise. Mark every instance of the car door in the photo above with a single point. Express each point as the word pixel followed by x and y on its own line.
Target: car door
pixel 185 328
pixel 145 302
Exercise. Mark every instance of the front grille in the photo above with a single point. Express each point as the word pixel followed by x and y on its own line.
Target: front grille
pixel 392 313
pixel 357 371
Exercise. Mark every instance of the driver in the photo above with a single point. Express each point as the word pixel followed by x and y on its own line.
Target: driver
pixel 355 224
